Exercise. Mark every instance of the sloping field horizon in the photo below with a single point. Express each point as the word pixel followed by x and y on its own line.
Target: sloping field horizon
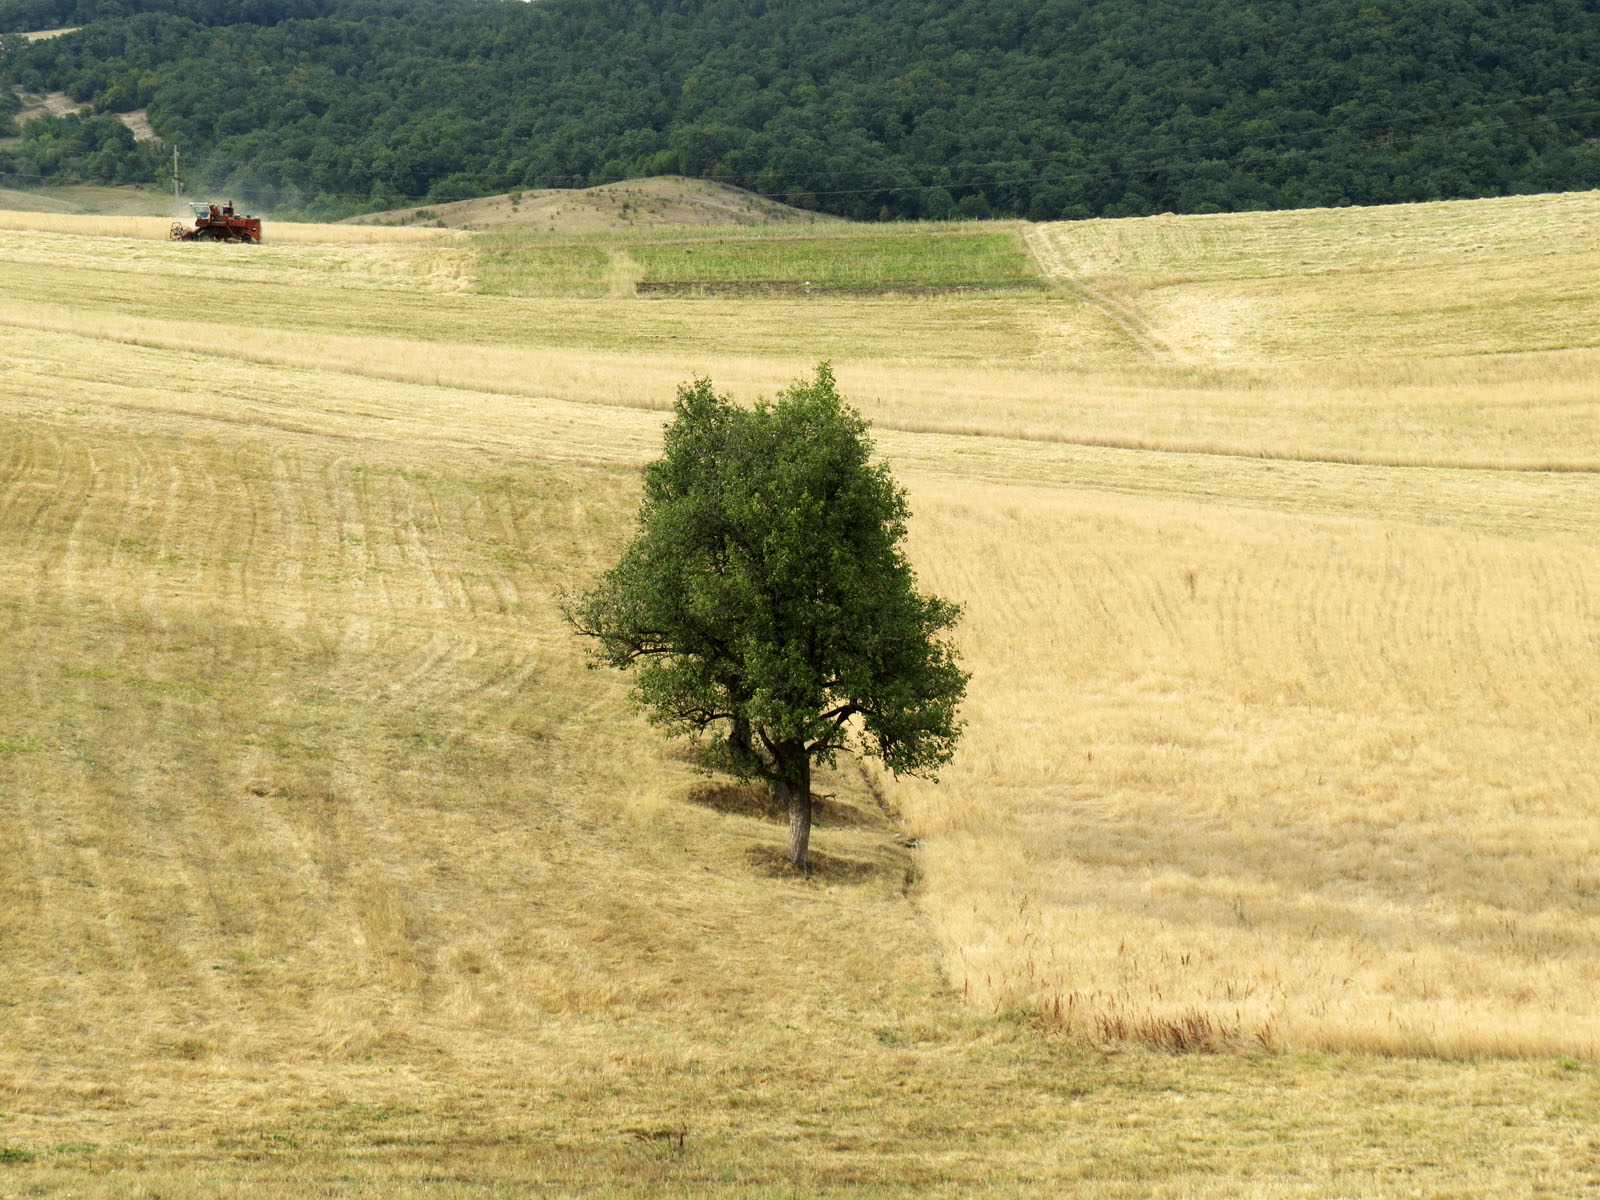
pixel 657 201
pixel 1268 865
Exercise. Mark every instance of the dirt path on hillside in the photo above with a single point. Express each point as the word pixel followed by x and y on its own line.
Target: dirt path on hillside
pixel 59 104
pixel 138 123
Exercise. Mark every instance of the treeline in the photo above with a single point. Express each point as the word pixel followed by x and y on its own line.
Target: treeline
pixel 882 109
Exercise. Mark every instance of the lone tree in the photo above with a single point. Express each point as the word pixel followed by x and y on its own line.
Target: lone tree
pixel 765 603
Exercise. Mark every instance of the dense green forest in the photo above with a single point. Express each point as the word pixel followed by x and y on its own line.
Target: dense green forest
pixel 868 108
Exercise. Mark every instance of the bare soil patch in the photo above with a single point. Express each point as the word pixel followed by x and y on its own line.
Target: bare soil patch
pixel 45 104
pixel 138 122
pixel 59 104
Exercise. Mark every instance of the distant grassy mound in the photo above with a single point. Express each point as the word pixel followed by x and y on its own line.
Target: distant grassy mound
pixel 89 198
pixel 639 203
pixel 655 203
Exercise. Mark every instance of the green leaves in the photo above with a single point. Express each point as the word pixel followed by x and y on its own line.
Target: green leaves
pixel 765 601
pixel 902 108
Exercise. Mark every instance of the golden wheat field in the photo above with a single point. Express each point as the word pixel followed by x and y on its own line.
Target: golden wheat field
pixel 1269 865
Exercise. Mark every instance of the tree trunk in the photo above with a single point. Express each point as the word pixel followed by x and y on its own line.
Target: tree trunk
pixel 796 793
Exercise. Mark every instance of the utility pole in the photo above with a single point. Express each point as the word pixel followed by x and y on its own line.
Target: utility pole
pixel 177 200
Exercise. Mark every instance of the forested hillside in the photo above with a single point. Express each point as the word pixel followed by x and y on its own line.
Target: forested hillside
pixel 889 108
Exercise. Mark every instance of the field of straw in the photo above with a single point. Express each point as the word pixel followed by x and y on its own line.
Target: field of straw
pixel 1269 864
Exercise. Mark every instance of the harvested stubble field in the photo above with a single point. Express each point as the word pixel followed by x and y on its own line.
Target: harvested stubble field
pixel 331 871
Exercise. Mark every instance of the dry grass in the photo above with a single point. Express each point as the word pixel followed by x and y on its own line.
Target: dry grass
pixel 85 198
pixel 1287 753
pixel 1309 781
pixel 1330 365
pixel 657 202
pixel 333 872
pixel 157 229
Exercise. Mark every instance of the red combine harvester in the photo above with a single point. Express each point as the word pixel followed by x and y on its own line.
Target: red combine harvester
pixel 218 223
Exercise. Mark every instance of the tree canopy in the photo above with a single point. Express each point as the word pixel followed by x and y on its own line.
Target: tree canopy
pixel 765 605
pixel 894 108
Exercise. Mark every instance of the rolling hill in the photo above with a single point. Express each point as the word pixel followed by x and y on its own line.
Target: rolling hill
pixel 1268 865
pixel 660 201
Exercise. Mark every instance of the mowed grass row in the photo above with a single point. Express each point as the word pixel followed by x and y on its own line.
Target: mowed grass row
pixel 1264 778
pixel 316 815
pixel 1252 776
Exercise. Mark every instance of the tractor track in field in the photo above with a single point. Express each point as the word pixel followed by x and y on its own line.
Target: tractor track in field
pixel 1129 320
